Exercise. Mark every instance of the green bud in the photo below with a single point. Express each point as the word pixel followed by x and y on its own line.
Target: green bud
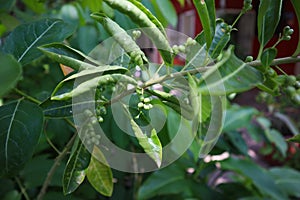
pixel 290 90
pixel 147 100
pixel 136 34
pixel 291 80
pixel 146 107
pixel 140 105
pixel 271 72
pixel 247 5
pixel 100 119
pixel 181 48
pixel 249 59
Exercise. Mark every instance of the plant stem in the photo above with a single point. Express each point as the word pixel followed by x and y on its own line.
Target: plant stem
pixel 56 164
pixel 278 61
pixel 27 96
pixel 23 189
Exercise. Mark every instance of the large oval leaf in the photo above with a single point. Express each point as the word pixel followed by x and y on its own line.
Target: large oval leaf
pixel 24 40
pixel 268 18
pixel 75 170
pixel 230 75
pixel 99 173
pixel 10 73
pixel 20 127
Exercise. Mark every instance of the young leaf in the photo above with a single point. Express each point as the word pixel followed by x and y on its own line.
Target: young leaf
pixel 24 40
pixel 151 145
pixel 99 173
pixel 75 170
pixel 269 13
pixel 10 73
pixel 268 56
pixel 230 75
pixel 206 12
pixel 89 85
pixel 68 56
pixel 296 5
pixel 20 127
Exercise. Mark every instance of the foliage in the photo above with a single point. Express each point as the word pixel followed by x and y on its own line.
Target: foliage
pixel 55 120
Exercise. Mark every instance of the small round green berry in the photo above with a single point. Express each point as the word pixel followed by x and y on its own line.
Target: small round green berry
pixel 249 59
pixel 140 105
pixel 147 100
pixel 181 48
pixel 291 80
pixel 100 119
pixel 146 107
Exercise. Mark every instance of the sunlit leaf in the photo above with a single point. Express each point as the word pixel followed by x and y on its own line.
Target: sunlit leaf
pixel 75 170
pixel 24 46
pixel 99 173
pixel 20 127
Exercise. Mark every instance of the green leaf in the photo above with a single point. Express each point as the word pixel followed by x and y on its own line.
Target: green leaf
pixel 268 56
pixel 287 180
pixel 36 6
pixel 237 141
pixel 206 12
pixel 269 13
pixel 165 181
pixel 230 75
pixel 238 117
pixel 270 85
pixel 151 145
pixel 258 176
pixel 89 85
pixel 68 56
pixel 296 138
pixel 168 11
pixel 220 40
pixel 296 5
pixel 10 73
pixel 20 127
pixel 57 109
pixel 122 37
pixel 99 173
pixel 75 170
pixel 24 40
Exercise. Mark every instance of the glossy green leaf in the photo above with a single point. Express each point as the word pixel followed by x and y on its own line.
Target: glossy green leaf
pixel 89 85
pixel 148 27
pixel 68 56
pixel 296 138
pixel 230 75
pixel 75 170
pixel 24 40
pixel 20 127
pixel 99 173
pixel 163 181
pixel 10 73
pixel 122 37
pixel 206 12
pixel 168 11
pixel 57 109
pixel 151 145
pixel 269 13
pixel 268 56
pixel 258 176
pixel 296 5
pixel 287 180
pixel 220 39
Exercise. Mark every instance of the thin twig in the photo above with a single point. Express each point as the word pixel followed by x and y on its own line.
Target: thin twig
pixel 56 164
pixel 27 96
pixel 23 189
pixel 278 61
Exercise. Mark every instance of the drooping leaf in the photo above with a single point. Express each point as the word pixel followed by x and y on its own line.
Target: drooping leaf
pixel 206 12
pixel 99 173
pixel 89 85
pixel 296 5
pixel 168 11
pixel 230 75
pixel 151 145
pixel 68 56
pixel 24 40
pixel 20 127
pixel 268 56
pixel 10 73
pixel 258 176
pixel 269 13
pixel 75 170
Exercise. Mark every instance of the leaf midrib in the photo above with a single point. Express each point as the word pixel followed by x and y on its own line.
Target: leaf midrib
pixel 8 134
